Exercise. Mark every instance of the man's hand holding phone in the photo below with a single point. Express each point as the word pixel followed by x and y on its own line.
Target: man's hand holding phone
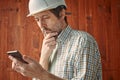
pixel 25 65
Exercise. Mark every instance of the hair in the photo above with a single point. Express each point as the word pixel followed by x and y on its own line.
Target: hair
pixel 56 11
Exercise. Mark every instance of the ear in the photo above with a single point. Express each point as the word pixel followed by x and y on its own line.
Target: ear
pixel 62 14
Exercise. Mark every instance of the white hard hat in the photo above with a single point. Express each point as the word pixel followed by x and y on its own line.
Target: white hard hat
pixel 36 6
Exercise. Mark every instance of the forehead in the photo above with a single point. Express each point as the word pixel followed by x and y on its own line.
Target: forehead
pixel 42 13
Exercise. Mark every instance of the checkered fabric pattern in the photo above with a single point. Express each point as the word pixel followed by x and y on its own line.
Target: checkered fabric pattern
pixel 77 56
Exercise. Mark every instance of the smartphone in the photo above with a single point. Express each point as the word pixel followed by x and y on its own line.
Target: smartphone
pixel 16 54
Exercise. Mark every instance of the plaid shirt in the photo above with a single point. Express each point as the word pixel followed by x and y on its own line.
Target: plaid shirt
pixel 77 56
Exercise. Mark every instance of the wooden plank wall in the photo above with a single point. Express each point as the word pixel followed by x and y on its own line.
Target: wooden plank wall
pixel 101 18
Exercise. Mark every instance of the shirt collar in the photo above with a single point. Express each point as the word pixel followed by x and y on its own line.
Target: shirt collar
pixel 64 34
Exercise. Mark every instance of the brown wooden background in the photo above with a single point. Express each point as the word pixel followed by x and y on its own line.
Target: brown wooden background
pixel 101 18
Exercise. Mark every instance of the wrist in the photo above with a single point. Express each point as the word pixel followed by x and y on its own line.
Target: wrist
pixel 44 63
pixel 44 57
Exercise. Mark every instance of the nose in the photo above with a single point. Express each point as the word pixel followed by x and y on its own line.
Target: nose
pixel 43 22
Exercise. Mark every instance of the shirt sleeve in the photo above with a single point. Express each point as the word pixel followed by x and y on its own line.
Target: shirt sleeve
pixel 87 62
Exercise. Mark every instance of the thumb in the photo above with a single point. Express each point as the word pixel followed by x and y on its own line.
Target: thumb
pixel 27 59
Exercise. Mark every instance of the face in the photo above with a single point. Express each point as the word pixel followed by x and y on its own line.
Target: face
pixel 48 22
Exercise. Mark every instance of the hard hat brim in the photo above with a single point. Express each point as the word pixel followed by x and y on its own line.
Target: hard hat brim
pixel 39 11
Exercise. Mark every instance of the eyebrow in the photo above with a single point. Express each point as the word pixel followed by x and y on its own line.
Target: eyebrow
pixel 40 16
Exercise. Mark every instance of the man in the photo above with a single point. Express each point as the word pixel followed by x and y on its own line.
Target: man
pixel 66 54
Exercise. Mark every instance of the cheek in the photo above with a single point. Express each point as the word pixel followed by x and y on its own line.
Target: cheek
pixel 50 22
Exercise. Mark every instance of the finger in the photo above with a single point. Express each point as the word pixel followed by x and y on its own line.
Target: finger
pixel 15 67
pixel 52 46
pixel 14 60
pixel 44 33
pixel 28 59
pixel 28 74
pixel 16 63
pixel 50 40
pixel 51 35
pixel 11 58
pixel 52 43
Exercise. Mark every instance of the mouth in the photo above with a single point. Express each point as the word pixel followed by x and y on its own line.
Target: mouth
pixel 46 31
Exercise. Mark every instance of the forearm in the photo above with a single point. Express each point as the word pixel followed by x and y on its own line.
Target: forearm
pixel 48 76
pixel 44 63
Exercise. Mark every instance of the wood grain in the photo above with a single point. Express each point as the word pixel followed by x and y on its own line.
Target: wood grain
pixel 100 18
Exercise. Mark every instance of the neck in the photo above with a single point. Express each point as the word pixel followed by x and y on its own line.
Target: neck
pixel 64 25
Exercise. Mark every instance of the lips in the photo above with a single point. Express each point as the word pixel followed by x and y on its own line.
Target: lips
pixel 45 32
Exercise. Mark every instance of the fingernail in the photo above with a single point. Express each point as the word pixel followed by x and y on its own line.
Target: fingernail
pixel 56 33
pixel 10 57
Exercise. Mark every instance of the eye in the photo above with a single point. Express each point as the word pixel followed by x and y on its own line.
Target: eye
pixel 45 17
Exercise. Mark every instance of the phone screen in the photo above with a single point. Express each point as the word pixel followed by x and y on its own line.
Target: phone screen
pixel 16 54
